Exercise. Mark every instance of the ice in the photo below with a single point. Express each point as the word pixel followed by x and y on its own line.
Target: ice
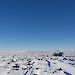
pixel 36 63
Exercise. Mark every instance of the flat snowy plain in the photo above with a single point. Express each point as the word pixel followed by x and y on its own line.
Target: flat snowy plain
pixel 36 63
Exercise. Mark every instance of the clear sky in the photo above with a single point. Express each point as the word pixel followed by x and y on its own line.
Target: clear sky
pixel 39 24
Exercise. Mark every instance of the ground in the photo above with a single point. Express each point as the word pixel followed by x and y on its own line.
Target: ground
pixel 36 63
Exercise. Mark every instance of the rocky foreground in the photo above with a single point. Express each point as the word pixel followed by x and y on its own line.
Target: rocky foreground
pixel 36 63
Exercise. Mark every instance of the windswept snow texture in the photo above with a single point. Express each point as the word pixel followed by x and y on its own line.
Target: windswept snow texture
pixel 36 63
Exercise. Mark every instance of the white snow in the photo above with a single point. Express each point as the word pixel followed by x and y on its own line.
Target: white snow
pixel 36 63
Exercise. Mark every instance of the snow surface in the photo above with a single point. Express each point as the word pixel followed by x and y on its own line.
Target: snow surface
pixel 36 63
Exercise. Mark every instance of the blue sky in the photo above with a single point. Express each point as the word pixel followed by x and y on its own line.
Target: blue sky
pixel 39 24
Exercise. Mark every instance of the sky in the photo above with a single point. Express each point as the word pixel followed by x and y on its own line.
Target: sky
pixel 37 24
